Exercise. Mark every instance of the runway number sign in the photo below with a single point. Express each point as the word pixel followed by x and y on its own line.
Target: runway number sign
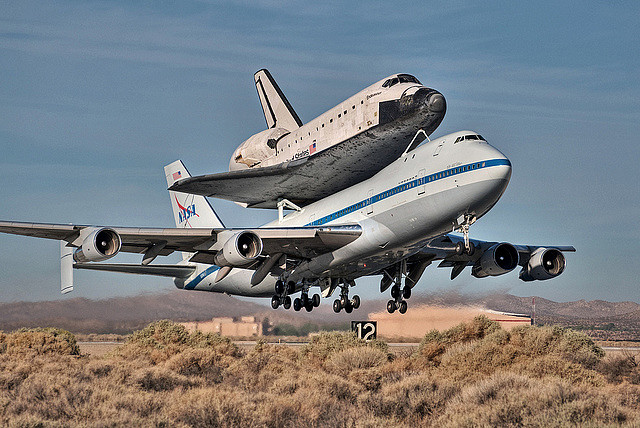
pixel 366 330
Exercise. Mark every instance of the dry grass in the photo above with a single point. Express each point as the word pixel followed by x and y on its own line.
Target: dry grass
pixel 472 375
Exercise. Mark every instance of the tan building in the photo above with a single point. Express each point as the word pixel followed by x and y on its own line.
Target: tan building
pixel 420 320
pixel 236 327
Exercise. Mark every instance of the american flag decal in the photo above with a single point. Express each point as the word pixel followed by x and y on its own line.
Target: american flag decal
pixel 312 148
pixel 177 175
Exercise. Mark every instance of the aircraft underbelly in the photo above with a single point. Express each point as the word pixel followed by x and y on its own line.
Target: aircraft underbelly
pixel 311 179
pixel 418 222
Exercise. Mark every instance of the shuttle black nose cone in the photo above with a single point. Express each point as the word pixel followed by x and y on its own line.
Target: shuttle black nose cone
pixel 436 103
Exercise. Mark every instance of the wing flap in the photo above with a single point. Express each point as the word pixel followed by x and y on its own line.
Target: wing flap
pixel 175 271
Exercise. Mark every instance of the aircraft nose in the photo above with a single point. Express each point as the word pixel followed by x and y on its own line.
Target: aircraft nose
pixel 436 102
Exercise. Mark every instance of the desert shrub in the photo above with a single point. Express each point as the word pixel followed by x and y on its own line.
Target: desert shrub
pixel 205 407
pixel 325 344
pixel 434 344
pixel 207 365
pixel 620 367
pixel 157 379
pixel 413 398
pixel 263 367
pixel 509 399
pixel 537 351
pixel 570 344
pixel 161 340
pixel 361 357
pixel 39 341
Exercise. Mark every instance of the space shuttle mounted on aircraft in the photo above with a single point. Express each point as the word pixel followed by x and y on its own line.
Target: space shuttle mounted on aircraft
pixel 348 144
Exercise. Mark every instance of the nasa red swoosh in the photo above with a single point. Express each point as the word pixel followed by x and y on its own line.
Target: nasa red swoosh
pixel 183 208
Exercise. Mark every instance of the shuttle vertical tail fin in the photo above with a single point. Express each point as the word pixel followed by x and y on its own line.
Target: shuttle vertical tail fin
pixel 189 211
pixel 277 110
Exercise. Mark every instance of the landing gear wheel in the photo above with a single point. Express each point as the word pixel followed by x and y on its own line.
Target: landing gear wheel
pixel 275 302
pixel 279 287
pixel 344 301
pixel 287 302
pixel 402 308
pixel 391 306
pixel 348 309
pixel 406 292
pixel 316 300
pixel 291 287
pixel 395 291
pixel 336 306
pixel 460 250
pixel 297 304
pixel 309 306
pixel 472 249
pixel 355 302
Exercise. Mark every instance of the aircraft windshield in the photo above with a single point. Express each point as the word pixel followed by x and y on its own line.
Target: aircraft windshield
pixel 469 137
pixel 402 78
pixel 407 78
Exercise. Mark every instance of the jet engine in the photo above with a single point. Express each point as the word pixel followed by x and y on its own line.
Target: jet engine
pixel 497 260
pixel 100 245
pixel 240 250
pixel 544 263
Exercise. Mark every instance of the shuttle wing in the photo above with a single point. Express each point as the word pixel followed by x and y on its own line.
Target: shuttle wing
pixel 297 242
pixel 301 181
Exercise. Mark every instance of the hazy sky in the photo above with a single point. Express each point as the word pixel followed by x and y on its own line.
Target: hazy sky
pixel 96 97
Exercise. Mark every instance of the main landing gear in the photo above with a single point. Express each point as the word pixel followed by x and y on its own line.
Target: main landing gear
pixel 344 302
pixel 282 297
pixel 398 294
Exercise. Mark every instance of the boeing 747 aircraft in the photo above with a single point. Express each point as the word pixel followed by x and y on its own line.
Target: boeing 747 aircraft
pixel 339 148
pixel 392 225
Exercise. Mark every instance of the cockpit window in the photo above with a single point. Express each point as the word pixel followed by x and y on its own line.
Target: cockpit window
pixel 390 82
pixel 407 78
pixel 469 137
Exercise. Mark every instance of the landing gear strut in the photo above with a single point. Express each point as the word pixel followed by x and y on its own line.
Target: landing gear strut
pixel 468 248
pixel 397 294
pixel 344 302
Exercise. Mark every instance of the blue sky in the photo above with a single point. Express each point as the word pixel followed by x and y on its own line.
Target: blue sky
pixel 96 97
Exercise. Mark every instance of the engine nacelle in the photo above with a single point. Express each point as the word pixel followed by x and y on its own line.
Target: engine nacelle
pixel 240 250
pixel 544 263
pixel 101 244
pixel 497 260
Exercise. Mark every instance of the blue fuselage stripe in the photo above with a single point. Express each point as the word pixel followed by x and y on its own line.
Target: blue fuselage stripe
pixel 198 279
pixel 461 169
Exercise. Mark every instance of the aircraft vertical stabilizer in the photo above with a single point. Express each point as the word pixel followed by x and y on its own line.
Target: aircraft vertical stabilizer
pixel 277 111
pixel 189 211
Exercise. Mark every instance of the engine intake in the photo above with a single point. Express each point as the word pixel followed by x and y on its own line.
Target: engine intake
pixel 497 260
pixel 240 250
pixel 544 263
pixel 101 244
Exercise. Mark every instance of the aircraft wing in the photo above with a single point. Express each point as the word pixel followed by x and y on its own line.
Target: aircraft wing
pixel 301 181
pixel 297 242
pixel 443 248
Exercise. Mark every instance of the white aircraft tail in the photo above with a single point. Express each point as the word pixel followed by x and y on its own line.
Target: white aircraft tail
pixel 277 110
pixel 189 211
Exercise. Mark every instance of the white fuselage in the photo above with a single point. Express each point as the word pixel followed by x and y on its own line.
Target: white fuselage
pixel 417 197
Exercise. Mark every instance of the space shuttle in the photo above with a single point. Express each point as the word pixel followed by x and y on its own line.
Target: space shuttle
pixel 303 163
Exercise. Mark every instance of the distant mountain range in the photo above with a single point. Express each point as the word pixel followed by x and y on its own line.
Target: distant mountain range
pixel 125 314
